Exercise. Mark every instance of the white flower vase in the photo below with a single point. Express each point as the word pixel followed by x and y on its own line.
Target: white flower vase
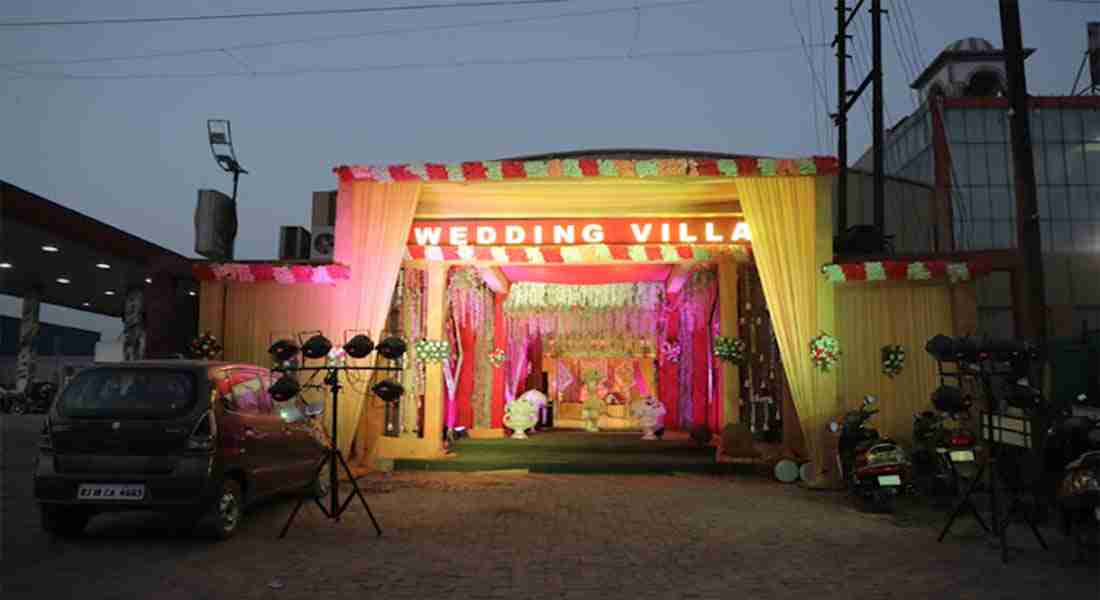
pixel 649 412
pixel 519 416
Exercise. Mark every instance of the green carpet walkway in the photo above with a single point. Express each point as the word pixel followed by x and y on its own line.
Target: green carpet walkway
pixel 575 452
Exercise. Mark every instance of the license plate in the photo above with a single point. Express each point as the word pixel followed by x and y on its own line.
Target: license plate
pixel 889 479
pixel 110 492
pixel 962 456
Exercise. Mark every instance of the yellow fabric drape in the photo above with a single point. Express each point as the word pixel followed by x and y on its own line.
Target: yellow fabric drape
pixel 870 316
pixel 791 221
pixel 372 226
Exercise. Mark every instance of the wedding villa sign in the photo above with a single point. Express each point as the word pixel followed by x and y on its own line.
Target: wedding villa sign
pixel 568 232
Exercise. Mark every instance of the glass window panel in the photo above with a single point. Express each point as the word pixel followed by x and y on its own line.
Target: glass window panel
pixel 1061 238
pixel 1082 236
pixel 1046 235
pixel 1059 209
pixel 980 235
pixel 996 120
pixel 1051 120
pixel 1036 125
pixel 1003 234
pixel 1091 123
pixel 1092 162
pixel 1073 124
pixel 1078 204
pixel 1093 193
pixel 960 228
pixel 1042 198
pixel 960 163
pixel 997 159
pixel 979 166
pixel 1076 165
pixel 977 200
pixel 1002 204
pixel 975 125
pixel 954 125
pixel 1055 163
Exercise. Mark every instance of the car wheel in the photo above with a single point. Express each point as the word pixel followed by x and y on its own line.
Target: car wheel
pixel 225 514
pixel 64 521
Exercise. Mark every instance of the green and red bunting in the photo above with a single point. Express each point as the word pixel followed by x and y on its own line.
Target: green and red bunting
pixel 256 272
pixel 501 170
pixel 574 254
pixel 912 270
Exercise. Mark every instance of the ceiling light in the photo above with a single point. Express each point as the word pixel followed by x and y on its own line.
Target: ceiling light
pixel 5 265
pixel 102 266
pixel 148 280
pixel 86 304
pixel 191 293
pixel 50 249
pixel 110 292
pixel 63 280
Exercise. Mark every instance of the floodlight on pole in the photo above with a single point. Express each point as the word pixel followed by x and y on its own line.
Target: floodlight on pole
pixel 220 135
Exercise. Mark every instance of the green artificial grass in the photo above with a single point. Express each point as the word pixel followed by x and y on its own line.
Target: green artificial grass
pixel 575 452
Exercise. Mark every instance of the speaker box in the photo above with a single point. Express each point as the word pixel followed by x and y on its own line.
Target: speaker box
pixel 324 209
pixel 215 225
pixel 294 243
pixel 323 244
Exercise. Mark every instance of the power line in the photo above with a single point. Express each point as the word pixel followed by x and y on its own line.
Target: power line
pixel 258 15
pixel 31 75
pixel 351 36
pixel 831 133
pixel 813 75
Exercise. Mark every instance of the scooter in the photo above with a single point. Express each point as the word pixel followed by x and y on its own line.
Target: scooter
pixel 944 456
pixel 874 469
pixel 1077 437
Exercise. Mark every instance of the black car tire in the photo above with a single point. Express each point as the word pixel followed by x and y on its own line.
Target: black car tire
pixel 224 516
pixel 64 521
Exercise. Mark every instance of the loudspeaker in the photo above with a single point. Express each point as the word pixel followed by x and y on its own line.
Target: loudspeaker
pixel 215 225
pixel 294 243
pixel 324 209
pixel 323 244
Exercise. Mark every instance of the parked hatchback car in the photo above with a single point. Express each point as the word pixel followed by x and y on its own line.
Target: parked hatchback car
pixel 198 439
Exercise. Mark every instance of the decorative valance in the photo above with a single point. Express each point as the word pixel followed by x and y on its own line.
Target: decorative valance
pixel 599 347
pixel 530 297
pixel 500 170
pixel 912 270
pixel 261 272
pixel 591 253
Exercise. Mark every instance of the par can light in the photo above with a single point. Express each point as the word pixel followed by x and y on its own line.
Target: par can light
pixel 388 390
pixel 316 347
pixel 392 348
pixel 359 346
pixel 284 388
pixel 283 351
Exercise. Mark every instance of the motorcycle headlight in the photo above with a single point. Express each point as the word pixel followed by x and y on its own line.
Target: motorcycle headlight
pixel 1083 480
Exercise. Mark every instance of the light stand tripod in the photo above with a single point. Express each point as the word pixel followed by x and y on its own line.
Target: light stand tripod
pixel 333 456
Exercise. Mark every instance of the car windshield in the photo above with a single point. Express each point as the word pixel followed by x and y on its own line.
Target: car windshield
pixel 125 393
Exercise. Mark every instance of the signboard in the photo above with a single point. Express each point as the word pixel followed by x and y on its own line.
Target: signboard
pixel 570 232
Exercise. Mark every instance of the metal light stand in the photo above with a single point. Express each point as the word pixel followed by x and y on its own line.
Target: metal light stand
pixel 966 504
pixel 334 455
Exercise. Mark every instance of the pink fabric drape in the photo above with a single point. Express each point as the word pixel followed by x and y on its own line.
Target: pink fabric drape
pixel 372 224
pixel 517 366
pixel 639 379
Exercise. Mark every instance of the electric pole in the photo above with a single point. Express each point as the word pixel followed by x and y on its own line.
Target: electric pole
pixel 1030 291
pixel 878 123
pixel 841 116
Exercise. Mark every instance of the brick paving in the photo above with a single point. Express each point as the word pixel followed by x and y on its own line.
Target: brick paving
pixel 537 536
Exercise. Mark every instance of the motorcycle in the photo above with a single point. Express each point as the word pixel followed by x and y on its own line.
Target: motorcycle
pixel 875 469
pixel 1075 443
pixel 944 455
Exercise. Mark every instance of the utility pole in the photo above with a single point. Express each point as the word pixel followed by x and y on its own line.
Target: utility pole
pixel 1030 290
pixel 878 123
pixel 841 116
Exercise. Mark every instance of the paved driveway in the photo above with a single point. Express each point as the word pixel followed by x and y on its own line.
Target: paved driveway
pixel 534 536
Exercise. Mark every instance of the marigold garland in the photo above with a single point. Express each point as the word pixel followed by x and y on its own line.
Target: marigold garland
pixel 496 358
pixel 824 351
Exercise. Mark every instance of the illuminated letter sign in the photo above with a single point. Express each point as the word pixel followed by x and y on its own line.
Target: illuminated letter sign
pixel 570 232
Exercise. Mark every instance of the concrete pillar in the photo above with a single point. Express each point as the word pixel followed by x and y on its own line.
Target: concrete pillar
pixel 433 383
pixel 28 335
pixel 133 324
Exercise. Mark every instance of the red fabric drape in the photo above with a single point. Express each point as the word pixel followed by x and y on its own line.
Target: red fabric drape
pixel 668 387
pixel 699 385
pixel 465 393
pixel 501 338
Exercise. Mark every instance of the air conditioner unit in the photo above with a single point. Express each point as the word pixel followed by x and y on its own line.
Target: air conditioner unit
pixel 294 243
pixel 323 245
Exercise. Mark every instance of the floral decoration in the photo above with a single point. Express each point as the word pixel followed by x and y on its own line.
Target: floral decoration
pixel 205 347
pixel 824 351
pixel 671 351
pixel 893 360
pixel 433 351
pixel 496 358
pixel 730 349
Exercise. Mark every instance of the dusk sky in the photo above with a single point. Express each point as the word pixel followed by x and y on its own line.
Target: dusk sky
pixel 132 150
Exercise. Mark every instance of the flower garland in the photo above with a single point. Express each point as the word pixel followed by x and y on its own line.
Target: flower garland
pixel 671 351
pixel 205 347
pixel 893 360
pixel 824 351
pixel 730 349
pixel 496 358
pixel 536 297
pixel 433 351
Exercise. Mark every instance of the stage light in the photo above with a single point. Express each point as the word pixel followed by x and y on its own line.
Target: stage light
pixel 359 346
pixel 50 249
pixel 64 280
pixel 110 292
pixel 5 265
pixel 284 389
pixel 283 350
pixel 103 266
pixel 316 347
pixel 220 136
pixel 148 280
pixel 392 348
pixel 950 399
pixel 388 390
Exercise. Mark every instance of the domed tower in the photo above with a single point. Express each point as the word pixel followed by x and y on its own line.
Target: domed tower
pixel 970 67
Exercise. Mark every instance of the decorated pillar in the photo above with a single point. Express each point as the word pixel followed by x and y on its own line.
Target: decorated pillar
pixel 669 375
pixel 434 396
pixel 28 336
pixel 731 373
pixel 133 324
pixel 500 340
